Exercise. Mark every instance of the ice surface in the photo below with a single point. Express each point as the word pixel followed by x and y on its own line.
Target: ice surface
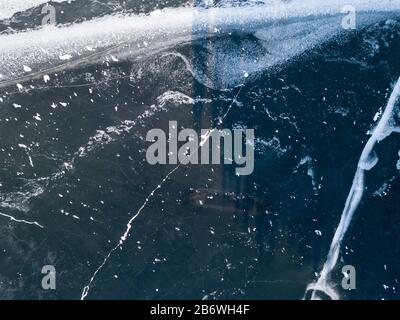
pixel 286 30
pixel 367 161
pixel 9 8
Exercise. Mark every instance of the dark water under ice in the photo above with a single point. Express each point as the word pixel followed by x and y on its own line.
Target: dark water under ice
pixel 73 160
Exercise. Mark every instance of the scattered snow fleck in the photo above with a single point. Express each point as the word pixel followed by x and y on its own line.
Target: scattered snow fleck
pixel 30 161
pixel 65 57
pixel 155 13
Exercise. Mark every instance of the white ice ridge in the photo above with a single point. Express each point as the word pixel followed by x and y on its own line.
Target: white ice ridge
pixel 9 7
pixel 125 235
pixel 21 221
pixel 286 28
pixel 368 160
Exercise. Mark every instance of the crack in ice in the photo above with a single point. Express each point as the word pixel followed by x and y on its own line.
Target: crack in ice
pixel 366 162
pixel 123 238
pixel 125 235
pixel 21 220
